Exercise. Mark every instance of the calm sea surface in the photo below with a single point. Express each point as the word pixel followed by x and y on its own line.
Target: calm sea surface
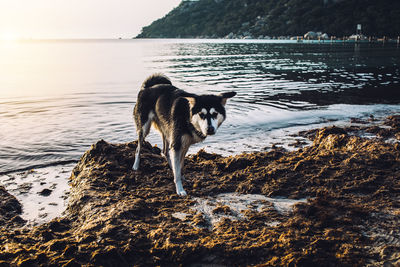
pixel 59 97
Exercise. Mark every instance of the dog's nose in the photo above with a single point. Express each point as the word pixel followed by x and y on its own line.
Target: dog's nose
pixel 210 131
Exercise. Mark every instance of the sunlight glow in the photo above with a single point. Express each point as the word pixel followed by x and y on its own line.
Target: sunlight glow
pixel 8 37
pixel 77 19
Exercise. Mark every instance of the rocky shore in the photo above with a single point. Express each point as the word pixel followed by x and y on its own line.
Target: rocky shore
pixel 335 202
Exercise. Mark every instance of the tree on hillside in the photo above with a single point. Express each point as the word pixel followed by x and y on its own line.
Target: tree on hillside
pixel 277 17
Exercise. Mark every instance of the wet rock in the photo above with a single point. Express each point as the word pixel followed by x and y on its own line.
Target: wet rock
pixel 57 245
pixel 358 120
pixel 393 121
pixel 222 209
pixel 71 263
pixel 60 226
pixel 45 192
pixel 27 262
pixel 234 164
pixel 10 209
pixel 120 217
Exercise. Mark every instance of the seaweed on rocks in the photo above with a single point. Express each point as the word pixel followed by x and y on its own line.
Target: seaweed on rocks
pixel 120 217
pixel 10 210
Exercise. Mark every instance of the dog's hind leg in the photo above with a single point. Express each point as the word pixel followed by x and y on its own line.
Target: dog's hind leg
pixel 165 151
pixel 176 157
pixel 142 132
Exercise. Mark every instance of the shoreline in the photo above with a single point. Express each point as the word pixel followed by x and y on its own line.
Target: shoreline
pixel 116 216
pixel 289 39
pixel 42 189
pixel 40 166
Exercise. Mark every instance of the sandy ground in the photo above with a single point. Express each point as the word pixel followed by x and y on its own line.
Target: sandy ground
pixel 43 192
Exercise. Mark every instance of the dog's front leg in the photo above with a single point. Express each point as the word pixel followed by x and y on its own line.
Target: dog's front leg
pixel 176 157
pixel 135 166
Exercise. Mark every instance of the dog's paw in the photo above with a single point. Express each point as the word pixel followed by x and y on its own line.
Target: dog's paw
pixel 181 192
pixel 179 188
pixel 135 167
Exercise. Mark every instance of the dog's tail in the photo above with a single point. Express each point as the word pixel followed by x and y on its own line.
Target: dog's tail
pixel 156 78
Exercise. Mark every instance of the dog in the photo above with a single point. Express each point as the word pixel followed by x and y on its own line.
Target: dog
pixel 182 119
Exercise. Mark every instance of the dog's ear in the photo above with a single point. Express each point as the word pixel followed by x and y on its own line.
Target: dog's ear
pixel 192 101
pixel 225 97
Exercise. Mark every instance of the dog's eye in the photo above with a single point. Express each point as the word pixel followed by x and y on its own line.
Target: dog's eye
pixel 202 115
pixel 214 115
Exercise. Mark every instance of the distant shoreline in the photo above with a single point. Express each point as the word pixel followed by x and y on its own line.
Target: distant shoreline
pixel 235 40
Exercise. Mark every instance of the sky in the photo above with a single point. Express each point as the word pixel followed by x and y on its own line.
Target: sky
pixel 79 18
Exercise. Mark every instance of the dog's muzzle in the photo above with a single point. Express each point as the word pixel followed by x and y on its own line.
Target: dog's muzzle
pixel 210 131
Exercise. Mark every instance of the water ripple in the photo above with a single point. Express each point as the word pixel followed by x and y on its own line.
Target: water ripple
pixel 90 93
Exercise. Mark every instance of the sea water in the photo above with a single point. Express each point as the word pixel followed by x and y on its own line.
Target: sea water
pixel 57 97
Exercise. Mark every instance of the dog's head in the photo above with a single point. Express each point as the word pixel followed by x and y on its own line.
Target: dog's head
pixel 208 111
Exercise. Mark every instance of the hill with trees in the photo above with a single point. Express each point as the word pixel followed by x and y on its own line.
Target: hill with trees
pixel 258 18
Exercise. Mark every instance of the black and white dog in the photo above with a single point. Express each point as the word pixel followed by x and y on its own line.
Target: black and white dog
pixel 182 119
